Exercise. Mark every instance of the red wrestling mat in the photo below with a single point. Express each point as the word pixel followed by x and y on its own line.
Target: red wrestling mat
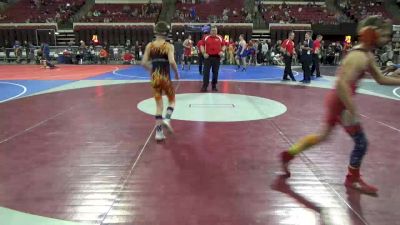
pixel 62 72
pixel 88 155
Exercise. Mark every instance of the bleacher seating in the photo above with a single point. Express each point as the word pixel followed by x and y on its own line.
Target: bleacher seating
pixel 44 11
pixel 123 13
pixel 314 14
pixel 357 9
pixel 210 11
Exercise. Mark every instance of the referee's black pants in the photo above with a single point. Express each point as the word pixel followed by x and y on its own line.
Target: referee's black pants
pixel 213 61
pixel 288 67
pixel 201 60
pixel 315 65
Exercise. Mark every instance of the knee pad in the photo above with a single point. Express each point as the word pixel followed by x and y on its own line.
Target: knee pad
pixel 360 145
pixel 361 142
pixel 360 148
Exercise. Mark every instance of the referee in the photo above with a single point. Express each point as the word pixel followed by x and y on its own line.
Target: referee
pixel 287 49
pixel 212 49
pixel 200 54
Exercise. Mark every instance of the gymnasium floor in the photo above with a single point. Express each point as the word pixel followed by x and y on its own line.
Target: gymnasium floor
pixel 77 147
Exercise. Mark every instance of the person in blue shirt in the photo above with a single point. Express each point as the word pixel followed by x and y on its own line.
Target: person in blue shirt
pixel 18 51
pixel 46 51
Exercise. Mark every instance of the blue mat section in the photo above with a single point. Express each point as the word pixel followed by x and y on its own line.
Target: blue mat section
pixel 12 89
pixel 19 88
pixel 132 73
pixel 225 73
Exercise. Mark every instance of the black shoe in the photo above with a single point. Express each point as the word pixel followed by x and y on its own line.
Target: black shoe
pixel 214 89
pixel 285 79
pixel 203 89
pixel 294 80
pixel 318 76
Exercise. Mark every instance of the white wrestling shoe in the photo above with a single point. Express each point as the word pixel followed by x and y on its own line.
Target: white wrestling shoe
pixel 159 136
pixel 167 124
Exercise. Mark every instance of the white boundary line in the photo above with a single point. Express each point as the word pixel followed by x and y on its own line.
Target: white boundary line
pixel 381 123
pixel 316 171
pixel 312 167
pixel 24 89
pixel 115 72
pixel 324 84
pixel 35 125
pixel 131 170
pixel 395 92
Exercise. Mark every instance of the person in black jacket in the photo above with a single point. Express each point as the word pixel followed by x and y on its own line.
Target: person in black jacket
pixel 306 58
